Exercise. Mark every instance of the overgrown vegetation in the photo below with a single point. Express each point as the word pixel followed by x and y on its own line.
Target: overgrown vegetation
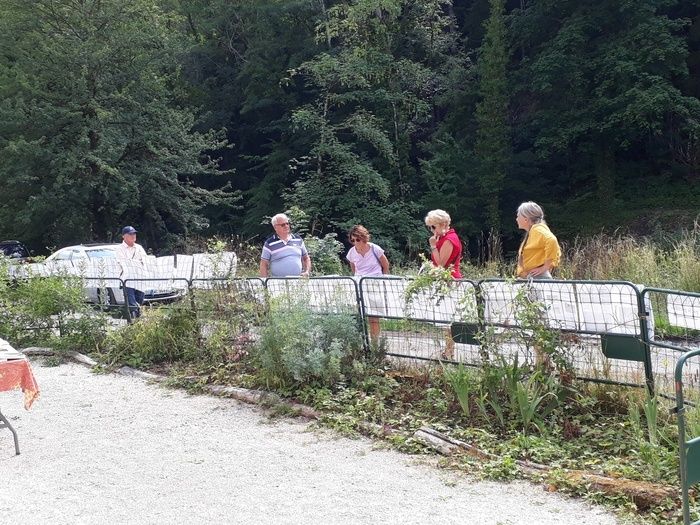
pixel 49 311
pixel 300 346
pixel 518 407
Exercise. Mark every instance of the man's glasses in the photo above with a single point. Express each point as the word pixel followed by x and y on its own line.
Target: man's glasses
pixel 282 224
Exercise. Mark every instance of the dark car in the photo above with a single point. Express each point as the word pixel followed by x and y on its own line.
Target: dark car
pixel 15 250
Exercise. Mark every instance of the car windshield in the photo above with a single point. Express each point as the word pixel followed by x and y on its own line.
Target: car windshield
pixel 100 253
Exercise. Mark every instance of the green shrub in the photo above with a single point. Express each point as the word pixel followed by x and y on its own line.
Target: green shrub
pixel 324 252
pixel 164 335
pixel 298 346
pixel 38 311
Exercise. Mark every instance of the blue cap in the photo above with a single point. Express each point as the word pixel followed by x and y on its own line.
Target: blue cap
pixel 128 229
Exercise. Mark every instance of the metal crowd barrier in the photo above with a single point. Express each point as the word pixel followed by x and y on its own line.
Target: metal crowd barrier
pixel 607 323
pixel 688 449
pixel 617 332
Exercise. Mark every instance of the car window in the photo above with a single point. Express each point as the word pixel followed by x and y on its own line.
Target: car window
pixel 100 253
pixel 63 255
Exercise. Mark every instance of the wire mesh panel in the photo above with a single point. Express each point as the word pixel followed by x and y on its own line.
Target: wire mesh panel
pixel 176 268
pixel 595 326
pixel 608 308
pixel 214 265
pixel 219 299
pixel 391 297
pixel 159 291
pixel 683 311
pixel 320 294
pixel 688 411
pixel 249 287
pixel 415 322
pixel 107 293
pixel 676 330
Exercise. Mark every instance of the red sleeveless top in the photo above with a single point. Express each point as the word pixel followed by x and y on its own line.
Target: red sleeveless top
pixel 455 256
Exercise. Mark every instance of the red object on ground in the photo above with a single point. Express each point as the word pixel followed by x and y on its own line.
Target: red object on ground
pixel 18 373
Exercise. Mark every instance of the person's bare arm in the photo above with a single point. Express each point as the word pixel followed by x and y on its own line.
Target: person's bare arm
pixel 306 266
pixel 384 263
pixel 264 267
pixel 443 255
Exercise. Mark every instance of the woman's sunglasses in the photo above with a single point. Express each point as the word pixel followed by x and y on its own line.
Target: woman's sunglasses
pixel 432 227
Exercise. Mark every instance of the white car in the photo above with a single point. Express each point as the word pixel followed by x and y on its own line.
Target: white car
pixel 98 264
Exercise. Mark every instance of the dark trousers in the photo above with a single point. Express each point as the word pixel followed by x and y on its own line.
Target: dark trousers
pixel 135 299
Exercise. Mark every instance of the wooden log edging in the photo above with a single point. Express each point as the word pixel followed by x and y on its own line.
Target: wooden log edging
pixel 644 494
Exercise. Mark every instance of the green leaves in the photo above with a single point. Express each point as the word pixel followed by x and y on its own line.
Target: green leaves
pixel 94 113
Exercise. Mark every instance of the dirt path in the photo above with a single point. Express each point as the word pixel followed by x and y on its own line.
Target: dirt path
pixel 112 449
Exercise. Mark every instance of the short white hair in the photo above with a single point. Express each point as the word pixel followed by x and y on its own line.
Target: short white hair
pixel 437 217
pixel 276 218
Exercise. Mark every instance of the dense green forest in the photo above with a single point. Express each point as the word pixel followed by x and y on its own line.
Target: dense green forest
pixel 204 117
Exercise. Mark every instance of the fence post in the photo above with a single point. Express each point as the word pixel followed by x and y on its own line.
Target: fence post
pixel 682 444
pixel 480 315
pixel 644 327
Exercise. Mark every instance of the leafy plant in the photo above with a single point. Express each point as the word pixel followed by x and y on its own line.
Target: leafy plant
pixel 160 336
pixel 299 346
pixel 463 383
pixel 529 397
pixel 433 282
pixel 324 252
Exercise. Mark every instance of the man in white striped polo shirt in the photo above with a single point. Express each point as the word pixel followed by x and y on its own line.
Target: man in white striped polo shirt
pixel 284 254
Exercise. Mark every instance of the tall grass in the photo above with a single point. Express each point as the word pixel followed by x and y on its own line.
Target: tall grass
pixel 615 257
pixel 672 262
pixel 686 260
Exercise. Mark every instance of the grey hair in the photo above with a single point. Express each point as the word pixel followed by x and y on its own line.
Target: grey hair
pixel 276 218
pixel 437 217
pixel 531 211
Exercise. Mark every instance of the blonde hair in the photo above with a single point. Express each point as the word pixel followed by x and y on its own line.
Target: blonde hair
pixel 532 212
pixel 437 217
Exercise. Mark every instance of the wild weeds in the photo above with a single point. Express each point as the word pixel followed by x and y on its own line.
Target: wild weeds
pixel 159 336
pixel 463 382
pixel 686 259
pixel 668 264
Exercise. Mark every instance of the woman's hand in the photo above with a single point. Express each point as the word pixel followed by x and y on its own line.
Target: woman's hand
pixel 539 270
pixel 433 241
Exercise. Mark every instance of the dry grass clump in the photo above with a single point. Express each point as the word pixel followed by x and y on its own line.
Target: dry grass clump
pixel 636 259
pixel 614 257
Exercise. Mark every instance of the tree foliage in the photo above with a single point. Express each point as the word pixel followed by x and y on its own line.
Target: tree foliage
pixel 93 132
pixel 160 112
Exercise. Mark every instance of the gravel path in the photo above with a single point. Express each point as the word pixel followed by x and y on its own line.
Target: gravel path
pixel 112 449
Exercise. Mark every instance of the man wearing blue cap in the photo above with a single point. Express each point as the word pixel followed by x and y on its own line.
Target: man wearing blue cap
pixel 130 250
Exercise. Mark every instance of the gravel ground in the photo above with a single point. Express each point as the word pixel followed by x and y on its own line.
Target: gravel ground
pixel 113 449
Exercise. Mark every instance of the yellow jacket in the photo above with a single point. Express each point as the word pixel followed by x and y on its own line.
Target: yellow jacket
pixel 539 246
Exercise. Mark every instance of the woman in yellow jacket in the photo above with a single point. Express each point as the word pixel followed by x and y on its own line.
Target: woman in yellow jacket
pixel 539 252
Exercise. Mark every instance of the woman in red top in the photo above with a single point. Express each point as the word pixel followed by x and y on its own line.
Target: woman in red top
pixel 445 246
pixel 445 252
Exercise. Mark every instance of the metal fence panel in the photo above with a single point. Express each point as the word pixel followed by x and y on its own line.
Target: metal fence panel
pixel 322 295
